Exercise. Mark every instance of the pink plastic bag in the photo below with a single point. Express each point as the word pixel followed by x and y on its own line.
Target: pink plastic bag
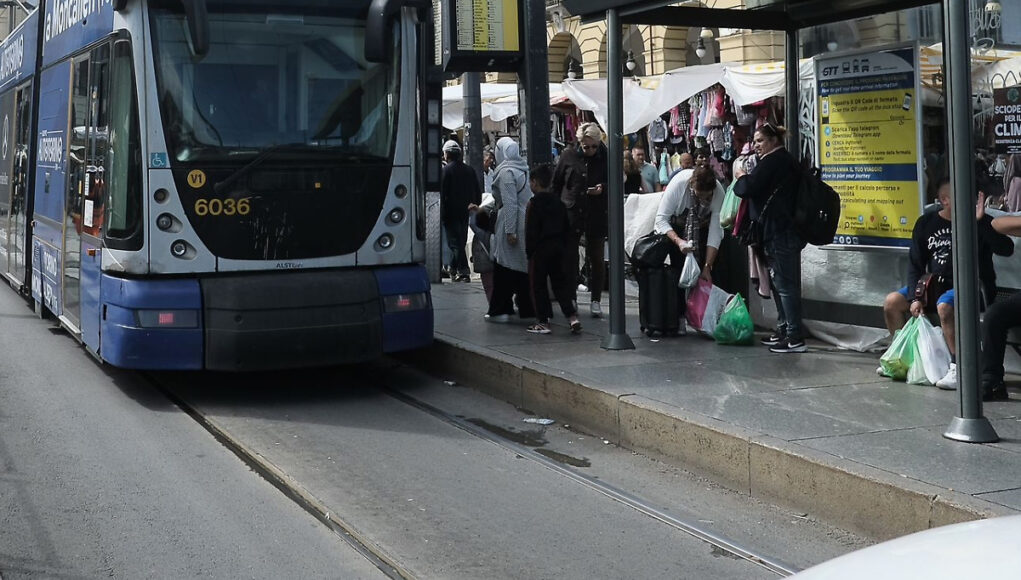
pixel 705 304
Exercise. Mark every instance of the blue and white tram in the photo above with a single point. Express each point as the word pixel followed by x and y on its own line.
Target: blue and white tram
pixel 215 184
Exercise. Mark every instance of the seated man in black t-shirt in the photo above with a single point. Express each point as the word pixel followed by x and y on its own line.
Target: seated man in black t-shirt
pixel 931 253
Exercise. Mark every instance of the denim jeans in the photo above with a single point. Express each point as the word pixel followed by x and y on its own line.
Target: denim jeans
pixel 456 238
pixel 783 257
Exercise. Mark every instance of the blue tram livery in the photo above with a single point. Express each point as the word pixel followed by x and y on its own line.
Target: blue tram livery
pixel 216 184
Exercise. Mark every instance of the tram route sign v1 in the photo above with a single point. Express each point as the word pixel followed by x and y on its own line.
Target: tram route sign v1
pixel 478 35
pixel 1007 120
pixel 869 135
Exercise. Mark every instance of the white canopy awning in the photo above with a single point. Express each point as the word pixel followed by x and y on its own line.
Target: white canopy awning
pixel 499 101
pixel 590 95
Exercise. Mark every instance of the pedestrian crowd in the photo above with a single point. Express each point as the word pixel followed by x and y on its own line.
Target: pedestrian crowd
pixel 535 223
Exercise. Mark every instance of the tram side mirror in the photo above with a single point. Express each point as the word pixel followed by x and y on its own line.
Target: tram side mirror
pixel 378 35
pixel 198 26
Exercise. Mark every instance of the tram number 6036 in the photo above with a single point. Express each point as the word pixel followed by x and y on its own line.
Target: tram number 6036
pixel 218 207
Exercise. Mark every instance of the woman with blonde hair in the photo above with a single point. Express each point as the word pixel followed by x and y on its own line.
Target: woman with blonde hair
pixel 769 190
pixel 581 180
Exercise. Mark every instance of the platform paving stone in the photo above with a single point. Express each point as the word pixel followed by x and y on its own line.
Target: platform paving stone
pixel 749 417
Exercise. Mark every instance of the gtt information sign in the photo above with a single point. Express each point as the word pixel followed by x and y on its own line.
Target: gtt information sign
pixel 869 126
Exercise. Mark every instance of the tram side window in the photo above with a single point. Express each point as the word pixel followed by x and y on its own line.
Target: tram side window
pixel 124 167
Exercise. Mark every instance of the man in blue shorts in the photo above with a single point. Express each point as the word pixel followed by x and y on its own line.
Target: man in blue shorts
pixel 931 253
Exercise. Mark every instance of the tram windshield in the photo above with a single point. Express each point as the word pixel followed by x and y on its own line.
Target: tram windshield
pixel 293 81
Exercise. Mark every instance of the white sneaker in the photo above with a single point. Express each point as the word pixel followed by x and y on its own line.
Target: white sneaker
pixel 498 318
pixel 949 382
pixel 880 371
pixel 582 288
pixel 595 309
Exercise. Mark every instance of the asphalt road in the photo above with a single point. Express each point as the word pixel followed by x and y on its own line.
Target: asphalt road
pixel 101 475
pixel 446 503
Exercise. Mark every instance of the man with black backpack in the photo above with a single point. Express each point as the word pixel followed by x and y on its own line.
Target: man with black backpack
pixel 770 190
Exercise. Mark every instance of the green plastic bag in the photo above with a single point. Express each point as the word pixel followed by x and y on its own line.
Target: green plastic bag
pixel 897 359
pixel 731 203
pixel 735 325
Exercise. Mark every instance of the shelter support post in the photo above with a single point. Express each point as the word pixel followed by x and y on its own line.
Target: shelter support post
pixel 533 93
pixel 617 339
pixel 791 110
pixel 472 83
pixel 969 426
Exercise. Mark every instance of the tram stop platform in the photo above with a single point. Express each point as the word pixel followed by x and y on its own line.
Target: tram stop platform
pixel 818 432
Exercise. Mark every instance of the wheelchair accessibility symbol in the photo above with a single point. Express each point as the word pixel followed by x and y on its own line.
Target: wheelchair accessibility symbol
pixel 158 161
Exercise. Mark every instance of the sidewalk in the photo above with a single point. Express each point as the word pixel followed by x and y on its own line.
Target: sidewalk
pixel 818 432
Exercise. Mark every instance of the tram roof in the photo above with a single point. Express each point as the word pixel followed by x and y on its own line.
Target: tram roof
pixel 766 15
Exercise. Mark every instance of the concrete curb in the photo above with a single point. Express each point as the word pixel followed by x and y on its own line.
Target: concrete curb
pixel 840 491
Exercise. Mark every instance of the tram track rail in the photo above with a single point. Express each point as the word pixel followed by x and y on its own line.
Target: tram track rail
pixel 390 564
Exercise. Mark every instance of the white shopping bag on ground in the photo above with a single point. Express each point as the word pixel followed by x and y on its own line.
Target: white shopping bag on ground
pixel 718 299
pixel 690 272
pixel 933 354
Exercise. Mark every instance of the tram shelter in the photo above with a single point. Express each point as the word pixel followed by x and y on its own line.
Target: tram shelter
pixel 790 17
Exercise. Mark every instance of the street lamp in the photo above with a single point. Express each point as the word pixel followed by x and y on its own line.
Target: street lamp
pixel 704 35
pixel 572 69
pixel 630 63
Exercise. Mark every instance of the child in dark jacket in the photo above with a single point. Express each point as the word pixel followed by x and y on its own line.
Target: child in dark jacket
pixel 547 235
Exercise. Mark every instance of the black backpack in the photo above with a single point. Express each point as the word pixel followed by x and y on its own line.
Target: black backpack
pixel 816 208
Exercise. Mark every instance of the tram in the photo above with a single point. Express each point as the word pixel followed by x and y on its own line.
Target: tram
pixel 216 184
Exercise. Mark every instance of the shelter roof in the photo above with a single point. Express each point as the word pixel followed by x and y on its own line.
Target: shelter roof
pixel 758 15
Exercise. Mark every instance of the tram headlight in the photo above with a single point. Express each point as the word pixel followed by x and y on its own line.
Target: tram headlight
pixel 165 222
pixel 395 216
pixel 179 249
pixel 385 242
pixel 161 195
pixel 401 191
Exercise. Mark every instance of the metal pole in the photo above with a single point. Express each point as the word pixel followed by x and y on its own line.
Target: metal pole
pixel 471 83
pixel 792 72
pixel 534 79
pixel 617 339
pixel 969 426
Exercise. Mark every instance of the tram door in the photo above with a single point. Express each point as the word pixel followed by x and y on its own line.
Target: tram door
pixel 21 137
pixel 83 221
pixel 76 166
pixel 6 167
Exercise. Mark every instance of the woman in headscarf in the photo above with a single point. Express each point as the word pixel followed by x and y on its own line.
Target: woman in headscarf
pixel 510 273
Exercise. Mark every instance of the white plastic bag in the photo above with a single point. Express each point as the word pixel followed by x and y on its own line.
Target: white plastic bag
pixel 690 272
pixel 933 354
pixel 718 299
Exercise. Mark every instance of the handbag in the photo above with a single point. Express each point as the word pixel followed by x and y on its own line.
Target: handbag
pixel 651 250
pixel 928 290
pixel 752 231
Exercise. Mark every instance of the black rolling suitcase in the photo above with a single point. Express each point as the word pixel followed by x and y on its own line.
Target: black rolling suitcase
pixel 659 307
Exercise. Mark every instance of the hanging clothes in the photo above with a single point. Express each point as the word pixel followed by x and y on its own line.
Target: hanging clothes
pixel 658 131
pixel 675 116
pixel 664 168
pixel 728 142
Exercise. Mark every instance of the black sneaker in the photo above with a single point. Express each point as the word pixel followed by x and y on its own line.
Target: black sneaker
pixel 997 392
pixel 773 339
pixel 789 345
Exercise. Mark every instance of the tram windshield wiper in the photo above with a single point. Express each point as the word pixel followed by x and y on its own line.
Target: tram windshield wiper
pixel 255 162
